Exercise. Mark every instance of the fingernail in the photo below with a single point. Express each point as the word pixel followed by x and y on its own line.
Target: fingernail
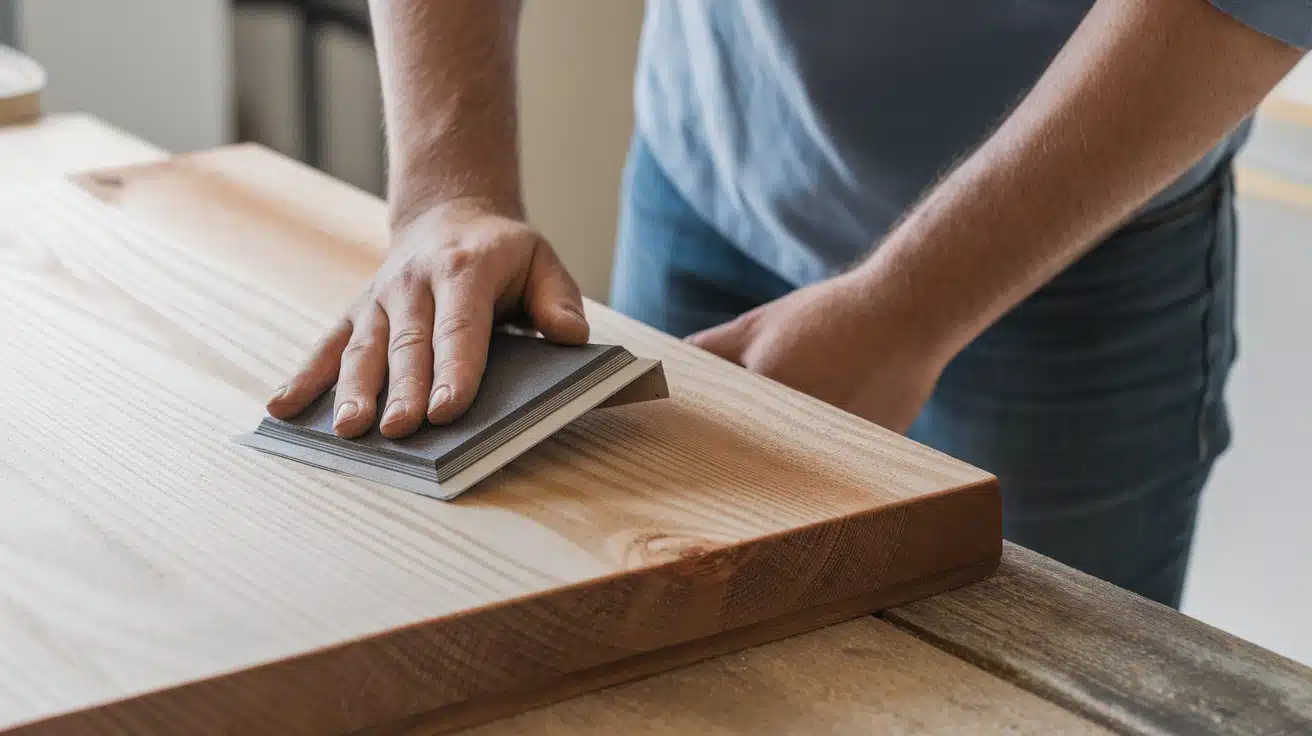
pixel 575 312
pixel 395 412
pixel 440 397
pixel 346 412
pixel 279 394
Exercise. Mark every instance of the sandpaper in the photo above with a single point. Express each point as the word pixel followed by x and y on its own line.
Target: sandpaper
pixel 530 389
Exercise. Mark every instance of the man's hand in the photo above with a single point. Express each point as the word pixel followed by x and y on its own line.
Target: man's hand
pixel 830 341
pixel 462 257
pixel 1137 95
pixel 423 324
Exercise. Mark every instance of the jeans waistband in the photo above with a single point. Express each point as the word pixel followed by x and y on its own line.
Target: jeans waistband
pixel 1206 194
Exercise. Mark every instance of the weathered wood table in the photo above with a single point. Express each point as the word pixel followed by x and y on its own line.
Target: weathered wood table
pixel 1037 648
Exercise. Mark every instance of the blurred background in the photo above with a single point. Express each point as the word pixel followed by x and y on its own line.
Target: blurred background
pixel 299 76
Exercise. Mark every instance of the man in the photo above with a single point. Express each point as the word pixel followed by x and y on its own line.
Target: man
pixel 1004 228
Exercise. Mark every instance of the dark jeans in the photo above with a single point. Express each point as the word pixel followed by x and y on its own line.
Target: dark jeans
pixel 1098 402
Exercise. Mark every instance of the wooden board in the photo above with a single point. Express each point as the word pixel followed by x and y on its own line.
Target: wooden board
pixel 1119 659
pixel 861 677
pixel 61 144
pixel 159 578
pixel 21 82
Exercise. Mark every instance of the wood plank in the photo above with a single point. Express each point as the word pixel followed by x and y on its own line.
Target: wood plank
pixel 158 578
pixel 1119 659
pixel 57 145
pixel 860 677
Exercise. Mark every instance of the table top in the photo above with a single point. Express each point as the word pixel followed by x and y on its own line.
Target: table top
pixel 145 315
pixel 1036 648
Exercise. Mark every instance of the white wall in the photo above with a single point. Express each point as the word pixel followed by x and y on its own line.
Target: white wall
pixel 577 60
pixel 157 68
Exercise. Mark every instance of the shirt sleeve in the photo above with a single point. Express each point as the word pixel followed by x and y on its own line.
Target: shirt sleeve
pixel 1287 20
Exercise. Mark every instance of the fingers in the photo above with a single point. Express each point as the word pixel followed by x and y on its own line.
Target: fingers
pixel 728 340
pixel 462 328
pixel 553 301
pixel 315 377
pixel 364 363
pixel 409 358
pixel 429 340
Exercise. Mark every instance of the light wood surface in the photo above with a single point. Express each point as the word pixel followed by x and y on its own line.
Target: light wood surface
pixel 861 677
pixel 145 313
pixel 21 82
pixel 61 144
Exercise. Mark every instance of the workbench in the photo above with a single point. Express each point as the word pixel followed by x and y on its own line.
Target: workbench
pixel 1035 648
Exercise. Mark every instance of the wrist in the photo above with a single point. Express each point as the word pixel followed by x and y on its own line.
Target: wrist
pixel 407 202
pixel 904 314
pixel 436 175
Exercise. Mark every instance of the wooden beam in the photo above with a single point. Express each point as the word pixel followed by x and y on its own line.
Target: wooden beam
pixel 857 678
pixel 1110 655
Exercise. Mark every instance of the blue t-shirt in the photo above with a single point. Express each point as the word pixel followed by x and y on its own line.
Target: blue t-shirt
pixel 802 129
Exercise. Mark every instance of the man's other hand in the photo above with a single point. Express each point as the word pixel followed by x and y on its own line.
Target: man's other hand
pixel 830 341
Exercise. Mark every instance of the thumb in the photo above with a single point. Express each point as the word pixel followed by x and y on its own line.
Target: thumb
pixel 552 299
pixel 728 340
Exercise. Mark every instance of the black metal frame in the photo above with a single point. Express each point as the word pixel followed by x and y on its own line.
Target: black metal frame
pixel 314 16
pixel 9 23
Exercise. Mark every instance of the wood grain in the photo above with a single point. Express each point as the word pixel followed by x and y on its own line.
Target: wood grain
pixel 56 145
pixel 160 579
pixel 1119 659
pixel 21 82
pixel 860 677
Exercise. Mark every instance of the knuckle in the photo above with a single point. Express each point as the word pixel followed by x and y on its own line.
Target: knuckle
pixel 304 381
pixel 352 388
pixel 407 338
pixel 407 385
pixel 405 279
pixel 358 347
pixel 518 239
pixel 454 367
pixel 452 323
pixel 409 277
pixel 456 263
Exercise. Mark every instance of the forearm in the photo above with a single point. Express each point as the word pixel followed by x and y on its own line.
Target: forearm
pixel 1141 91
pixel 448 82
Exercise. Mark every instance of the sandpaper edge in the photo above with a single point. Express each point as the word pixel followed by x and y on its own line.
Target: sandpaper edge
pixel 338 464
pixel 649 386
pixel 462 481
pixel 593 398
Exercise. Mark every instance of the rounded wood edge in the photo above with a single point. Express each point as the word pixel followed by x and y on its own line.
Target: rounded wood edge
pixel 21 82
